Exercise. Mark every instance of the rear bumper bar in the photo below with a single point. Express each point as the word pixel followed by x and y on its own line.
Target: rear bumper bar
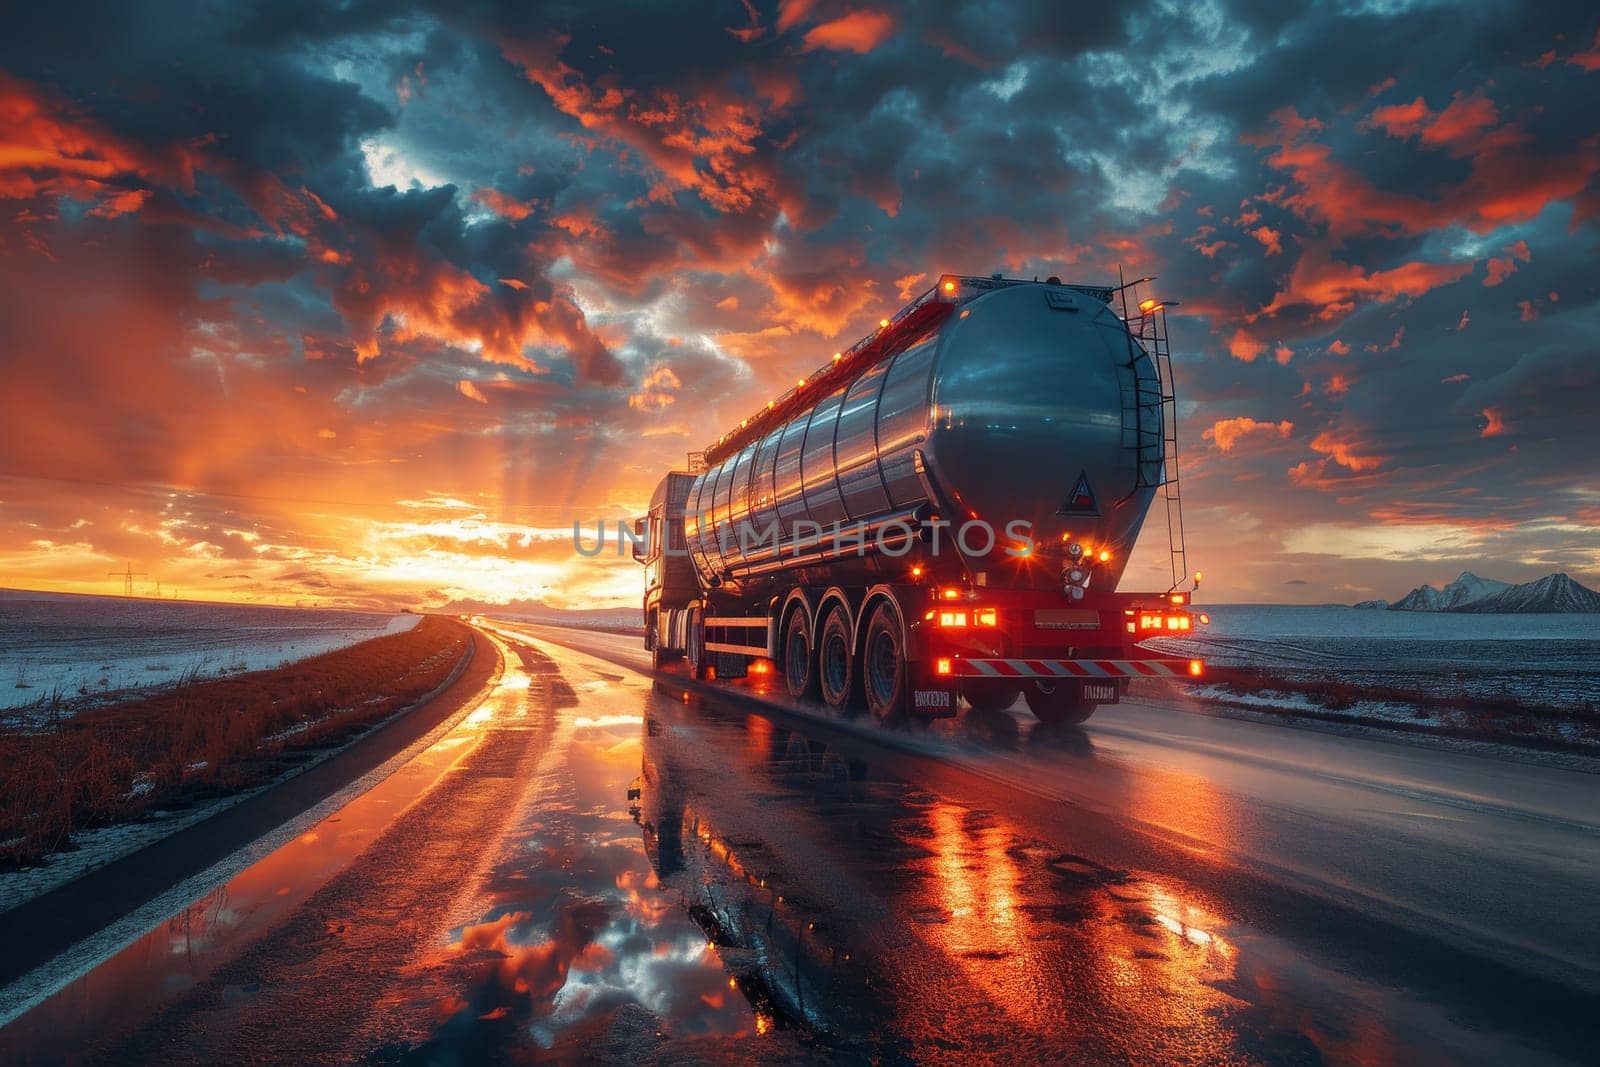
pixel 1073 668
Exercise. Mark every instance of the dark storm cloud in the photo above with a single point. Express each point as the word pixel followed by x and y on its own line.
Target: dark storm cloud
pixel 495 246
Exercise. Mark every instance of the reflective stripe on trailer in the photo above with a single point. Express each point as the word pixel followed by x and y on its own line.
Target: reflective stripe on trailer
pixel 1069 668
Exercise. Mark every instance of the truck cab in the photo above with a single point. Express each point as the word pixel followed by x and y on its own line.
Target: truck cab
pixel 669 578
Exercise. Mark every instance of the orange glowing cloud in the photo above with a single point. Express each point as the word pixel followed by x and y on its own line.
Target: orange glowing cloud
pixel 1269 239
pixel 50 147
pixel 822 300
pixel 1494 423
pixel 858 31
pixel 1503 267
pixel 1332 289
pixel 1588 60
pixel 1226 433
pixel 1347 451
pixel 1502 185
pixel 507 207
pixel 705 142
pixel 658 390
pixel 1460 125
pixel 1244 347
pixel 398 292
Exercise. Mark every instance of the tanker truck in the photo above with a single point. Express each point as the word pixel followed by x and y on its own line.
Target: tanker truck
pixel 941 512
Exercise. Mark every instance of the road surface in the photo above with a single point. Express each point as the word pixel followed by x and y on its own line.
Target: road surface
pixel 599 862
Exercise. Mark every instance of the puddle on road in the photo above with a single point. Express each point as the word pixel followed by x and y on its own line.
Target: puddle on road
pixel 580 948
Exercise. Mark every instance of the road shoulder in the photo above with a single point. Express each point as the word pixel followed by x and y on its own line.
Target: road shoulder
pixel 49 924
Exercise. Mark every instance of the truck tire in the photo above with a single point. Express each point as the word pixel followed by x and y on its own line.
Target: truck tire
pixel 987 696
pixel 694 639
pixel 885 676
pixel 835 663
pixel 799 656
pixel 1057 703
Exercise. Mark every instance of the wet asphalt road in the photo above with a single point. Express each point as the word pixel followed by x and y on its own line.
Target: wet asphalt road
pixel 597 863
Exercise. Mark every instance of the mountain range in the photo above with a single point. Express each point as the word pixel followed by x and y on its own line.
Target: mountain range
pixel 1554 593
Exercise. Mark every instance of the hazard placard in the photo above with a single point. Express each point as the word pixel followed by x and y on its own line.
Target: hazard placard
pixel 1082 499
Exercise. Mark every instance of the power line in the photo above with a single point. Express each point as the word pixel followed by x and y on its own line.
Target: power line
pixel 127 577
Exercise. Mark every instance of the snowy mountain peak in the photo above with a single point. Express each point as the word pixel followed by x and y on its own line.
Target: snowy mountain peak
pixel 1466 589
pixel 1552 593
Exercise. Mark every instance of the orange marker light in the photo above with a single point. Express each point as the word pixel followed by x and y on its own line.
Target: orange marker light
pixel 801 384
pixel 951 594
pixel 942 666
pixel 1195 667
pixel 1105 557
pixel 950 285
pixel 883 324
pixel 1177 598
pixel 837 356
pixel 916 570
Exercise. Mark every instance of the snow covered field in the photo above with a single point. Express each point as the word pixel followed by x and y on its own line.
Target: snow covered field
pixel 1544 659
pixel 84 646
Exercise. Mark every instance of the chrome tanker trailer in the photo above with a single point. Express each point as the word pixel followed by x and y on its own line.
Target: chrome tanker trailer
pixel 942 511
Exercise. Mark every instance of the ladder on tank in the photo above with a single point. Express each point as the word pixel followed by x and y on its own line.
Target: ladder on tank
pixel 1158 445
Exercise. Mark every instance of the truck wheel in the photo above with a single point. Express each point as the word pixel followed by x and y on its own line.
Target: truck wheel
pixel 799 660
pixel 835 666
pixel 884 674
pixel 695 639
pixel 990 696
pixel 1057 703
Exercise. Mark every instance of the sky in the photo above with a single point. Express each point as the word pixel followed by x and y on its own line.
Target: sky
pixel 367 303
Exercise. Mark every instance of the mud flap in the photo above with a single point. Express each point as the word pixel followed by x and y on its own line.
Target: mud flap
pixel 730 664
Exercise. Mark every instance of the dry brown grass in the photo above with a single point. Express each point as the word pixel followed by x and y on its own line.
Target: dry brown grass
pixel 115 763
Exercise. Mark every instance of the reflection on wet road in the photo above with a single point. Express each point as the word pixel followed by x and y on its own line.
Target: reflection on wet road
pixel 904 923
pixel 597 864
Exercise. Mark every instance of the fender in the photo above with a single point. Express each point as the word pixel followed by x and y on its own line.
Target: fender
pixel 835 595
pixel 884 593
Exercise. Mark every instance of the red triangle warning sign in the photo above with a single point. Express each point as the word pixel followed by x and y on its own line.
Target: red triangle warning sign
pixel 1082 501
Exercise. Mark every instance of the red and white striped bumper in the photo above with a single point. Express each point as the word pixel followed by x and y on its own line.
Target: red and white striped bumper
pixel 1073 668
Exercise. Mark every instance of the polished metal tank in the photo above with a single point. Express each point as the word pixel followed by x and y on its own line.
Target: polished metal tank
pixel 1027 403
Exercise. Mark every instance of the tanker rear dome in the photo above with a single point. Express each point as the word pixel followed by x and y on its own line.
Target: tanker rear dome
pixel 1035 391
pixel 1027 404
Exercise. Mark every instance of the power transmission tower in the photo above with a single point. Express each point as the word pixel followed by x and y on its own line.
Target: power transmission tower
pixel 127 577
